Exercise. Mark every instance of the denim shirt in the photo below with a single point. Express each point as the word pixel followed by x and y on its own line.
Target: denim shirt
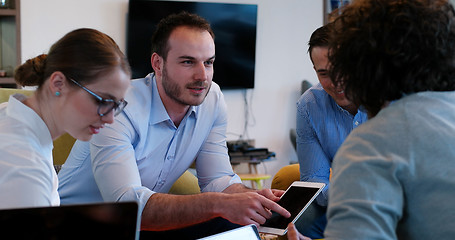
pixel 322 126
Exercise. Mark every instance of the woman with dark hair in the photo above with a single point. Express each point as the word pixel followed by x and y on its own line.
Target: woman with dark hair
pixel 393 176
pixel 81 84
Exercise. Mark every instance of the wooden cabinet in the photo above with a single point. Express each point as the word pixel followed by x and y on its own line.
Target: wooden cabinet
pixel 10 41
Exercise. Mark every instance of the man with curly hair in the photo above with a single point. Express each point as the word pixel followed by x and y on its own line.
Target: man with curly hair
pixel 393 177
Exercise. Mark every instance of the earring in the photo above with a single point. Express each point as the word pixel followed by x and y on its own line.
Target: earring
pixel 57 94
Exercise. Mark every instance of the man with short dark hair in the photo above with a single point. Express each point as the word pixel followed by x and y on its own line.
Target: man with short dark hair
pixel 325 117
pixel 175 116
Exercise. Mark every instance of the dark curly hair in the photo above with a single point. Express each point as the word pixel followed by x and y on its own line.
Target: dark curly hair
pixel 382 50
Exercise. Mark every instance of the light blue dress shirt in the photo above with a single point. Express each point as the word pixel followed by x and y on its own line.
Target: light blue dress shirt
pixel 322 126
pixel 143 152
pixel 393 177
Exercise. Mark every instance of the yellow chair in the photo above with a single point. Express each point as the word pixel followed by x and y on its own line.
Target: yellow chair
pixel 286 176
pixel 6 92
pixel 185 185
pixel 62 148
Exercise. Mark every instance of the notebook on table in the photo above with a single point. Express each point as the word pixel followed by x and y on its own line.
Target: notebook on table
pixel 89 221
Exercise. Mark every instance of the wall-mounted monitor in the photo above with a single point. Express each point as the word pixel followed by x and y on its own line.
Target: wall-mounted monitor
pixel 234 26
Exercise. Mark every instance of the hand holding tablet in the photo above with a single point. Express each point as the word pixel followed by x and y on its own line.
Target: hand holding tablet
pixel 296 199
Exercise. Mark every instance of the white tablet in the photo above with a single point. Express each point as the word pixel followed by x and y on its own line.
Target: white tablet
pixel 296 200
pixel 248 232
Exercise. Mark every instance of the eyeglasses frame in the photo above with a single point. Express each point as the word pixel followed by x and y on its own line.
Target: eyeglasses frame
pixel 100 99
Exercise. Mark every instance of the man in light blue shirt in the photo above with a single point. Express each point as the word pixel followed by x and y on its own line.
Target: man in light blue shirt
pixel 175 116
pixel 324 119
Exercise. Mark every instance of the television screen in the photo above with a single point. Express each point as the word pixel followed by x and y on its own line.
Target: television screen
pixel 234 26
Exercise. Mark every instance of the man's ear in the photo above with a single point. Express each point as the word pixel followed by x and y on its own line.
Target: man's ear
pixel 157 64
pixel 57 83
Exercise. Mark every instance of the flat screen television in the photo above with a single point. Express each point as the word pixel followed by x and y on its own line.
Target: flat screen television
pixel 234 26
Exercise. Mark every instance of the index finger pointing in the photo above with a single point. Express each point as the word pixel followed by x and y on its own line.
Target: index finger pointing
pixel 269 204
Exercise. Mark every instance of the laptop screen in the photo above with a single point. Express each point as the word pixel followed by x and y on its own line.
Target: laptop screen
pixel 90 221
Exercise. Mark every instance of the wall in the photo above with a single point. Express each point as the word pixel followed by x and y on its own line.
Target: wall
pixel 284 28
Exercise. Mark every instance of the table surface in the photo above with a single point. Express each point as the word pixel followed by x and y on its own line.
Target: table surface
pixel 253 176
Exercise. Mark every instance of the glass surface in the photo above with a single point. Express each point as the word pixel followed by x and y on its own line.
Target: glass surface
pixel 294 200
pixel 4 3
pixel 234 26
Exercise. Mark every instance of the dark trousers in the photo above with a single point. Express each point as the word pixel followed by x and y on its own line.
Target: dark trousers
pixel 200 230
pixel 313 221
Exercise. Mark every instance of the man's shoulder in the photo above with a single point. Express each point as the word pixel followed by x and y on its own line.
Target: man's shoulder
pixel 313 93
pixel 214 96
pixel 213 107
pixel 140 91
pixel 140 86
pixel 215 89
pixel 139 98
pixel 315 96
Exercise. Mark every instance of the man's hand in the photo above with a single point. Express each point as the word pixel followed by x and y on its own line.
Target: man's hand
pixel 236 203
pixel 272 194
pixel 250 207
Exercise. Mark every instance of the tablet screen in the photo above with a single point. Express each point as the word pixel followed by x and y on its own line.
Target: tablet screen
pixel 294 200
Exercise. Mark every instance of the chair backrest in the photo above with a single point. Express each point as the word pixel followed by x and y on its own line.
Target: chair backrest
pixel 62 148
pixel 62 145
pixel 185 185
pixel 6 92
pixel 286 176
pixel 305 85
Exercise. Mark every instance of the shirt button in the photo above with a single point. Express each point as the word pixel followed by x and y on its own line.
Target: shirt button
pixel 170 157
pixel 356 123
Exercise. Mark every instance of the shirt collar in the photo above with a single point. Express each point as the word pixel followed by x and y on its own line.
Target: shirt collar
pixel 18 110
pixel 158 112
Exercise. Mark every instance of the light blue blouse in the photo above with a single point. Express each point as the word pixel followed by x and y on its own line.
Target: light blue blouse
pixel 143 152
pixel 322 126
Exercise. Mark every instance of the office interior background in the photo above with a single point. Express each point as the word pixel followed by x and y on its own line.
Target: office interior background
pixel 282 62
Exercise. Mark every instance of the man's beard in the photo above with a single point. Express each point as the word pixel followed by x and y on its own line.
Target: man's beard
pixel 173 91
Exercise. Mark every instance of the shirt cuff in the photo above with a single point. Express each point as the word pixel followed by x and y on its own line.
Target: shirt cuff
pixel 139 195
pixel 219 184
